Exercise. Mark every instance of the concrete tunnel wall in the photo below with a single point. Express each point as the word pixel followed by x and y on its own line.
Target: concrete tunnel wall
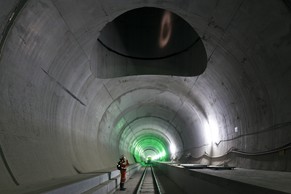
pixel 56 116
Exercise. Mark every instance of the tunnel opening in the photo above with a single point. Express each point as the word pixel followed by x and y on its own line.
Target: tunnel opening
pixel 148 41
pixel 138 124
pixel 150 146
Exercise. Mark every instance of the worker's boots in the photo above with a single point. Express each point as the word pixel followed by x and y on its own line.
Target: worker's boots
pixel 122 187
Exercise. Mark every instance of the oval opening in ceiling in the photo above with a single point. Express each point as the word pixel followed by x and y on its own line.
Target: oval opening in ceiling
pixel 148 41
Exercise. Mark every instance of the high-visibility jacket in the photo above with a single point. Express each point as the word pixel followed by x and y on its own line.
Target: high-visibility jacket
pixel 124 166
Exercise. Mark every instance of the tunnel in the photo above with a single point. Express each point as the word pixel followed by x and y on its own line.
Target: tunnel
pixel 183 82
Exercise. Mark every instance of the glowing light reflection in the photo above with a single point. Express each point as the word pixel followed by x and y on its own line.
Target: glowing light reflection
pixel 166 29
pixel 159 156
pixel 211 131
pixel 173 149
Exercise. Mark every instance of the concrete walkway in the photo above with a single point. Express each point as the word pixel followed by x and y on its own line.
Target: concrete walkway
pixel 132 183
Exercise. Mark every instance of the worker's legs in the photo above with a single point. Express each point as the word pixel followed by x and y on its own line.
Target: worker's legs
pixel 122 187
pixel 122 180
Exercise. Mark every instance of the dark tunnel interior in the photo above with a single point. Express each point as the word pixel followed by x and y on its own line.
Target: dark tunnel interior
pixel 149 41
pixel 83 82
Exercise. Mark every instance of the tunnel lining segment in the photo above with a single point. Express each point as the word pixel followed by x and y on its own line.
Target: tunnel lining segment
pixel 7 166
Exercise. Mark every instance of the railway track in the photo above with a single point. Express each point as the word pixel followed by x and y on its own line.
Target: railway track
pixel 148 183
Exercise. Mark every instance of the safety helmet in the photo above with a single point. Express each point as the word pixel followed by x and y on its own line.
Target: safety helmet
pixel 122 157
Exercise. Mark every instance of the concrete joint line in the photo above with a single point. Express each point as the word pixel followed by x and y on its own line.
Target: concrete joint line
pixel 228 25
pixel 118 109
pixel 10 23
pixel 187 94
pixel 70 30
pixel 63 87
pixel 7 166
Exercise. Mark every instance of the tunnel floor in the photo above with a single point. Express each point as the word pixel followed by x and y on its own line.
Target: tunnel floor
pixel 265 181
pixel 172 178
pixel 166 185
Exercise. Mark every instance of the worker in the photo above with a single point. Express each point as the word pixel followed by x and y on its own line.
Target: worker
pixel 123 163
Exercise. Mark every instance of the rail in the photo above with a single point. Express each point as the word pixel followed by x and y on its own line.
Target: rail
pixel 148 182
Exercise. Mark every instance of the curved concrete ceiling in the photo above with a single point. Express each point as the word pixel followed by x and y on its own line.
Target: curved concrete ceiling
pixel 58 119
